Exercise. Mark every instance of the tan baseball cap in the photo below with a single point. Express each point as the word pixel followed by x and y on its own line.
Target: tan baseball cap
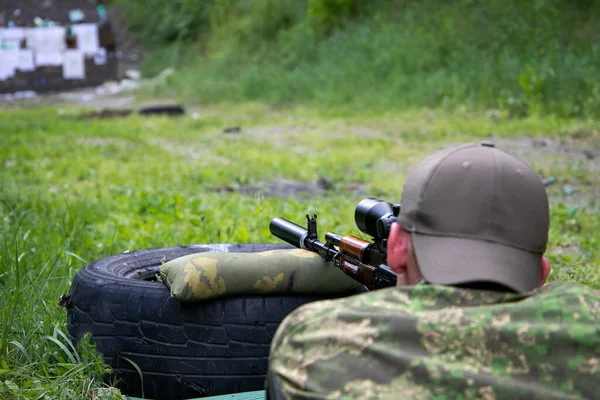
pixel 476 213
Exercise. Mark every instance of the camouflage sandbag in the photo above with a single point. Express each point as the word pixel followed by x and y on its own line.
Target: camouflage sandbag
pixel 209 275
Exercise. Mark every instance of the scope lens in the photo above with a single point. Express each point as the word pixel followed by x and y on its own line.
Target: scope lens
pixel 367 214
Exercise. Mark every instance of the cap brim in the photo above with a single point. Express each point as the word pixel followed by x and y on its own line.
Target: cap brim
pixel 452 261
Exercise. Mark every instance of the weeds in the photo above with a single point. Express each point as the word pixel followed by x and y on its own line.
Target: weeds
pixel 519 57
pixel 383 85
pixel 37 359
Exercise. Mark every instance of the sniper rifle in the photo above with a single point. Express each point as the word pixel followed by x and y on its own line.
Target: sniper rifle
pixel 362 260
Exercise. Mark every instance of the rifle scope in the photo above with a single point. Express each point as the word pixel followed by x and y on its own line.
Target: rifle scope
pixel 375 217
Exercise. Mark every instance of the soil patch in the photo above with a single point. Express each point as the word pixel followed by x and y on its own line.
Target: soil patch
pixel 190 151
pixel 103 142
pixel 280 188
pixel 573 162
pixel 286 188
pixel 106 113
pixel 567 151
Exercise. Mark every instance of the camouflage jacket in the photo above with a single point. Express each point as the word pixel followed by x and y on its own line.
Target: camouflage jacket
pixel 439 342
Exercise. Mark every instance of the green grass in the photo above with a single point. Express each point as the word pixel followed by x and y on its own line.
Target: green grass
pixel 356 91
pixel 74 191
pixel 525 58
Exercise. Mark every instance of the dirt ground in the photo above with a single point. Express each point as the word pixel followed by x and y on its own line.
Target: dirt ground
pixel 573 162
pixel 577 157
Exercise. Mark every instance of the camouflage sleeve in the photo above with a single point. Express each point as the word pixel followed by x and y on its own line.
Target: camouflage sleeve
pixel 440 342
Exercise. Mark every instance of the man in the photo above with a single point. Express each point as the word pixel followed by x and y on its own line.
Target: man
pixel 469 317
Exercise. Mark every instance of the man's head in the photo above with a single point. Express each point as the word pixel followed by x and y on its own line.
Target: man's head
pixel 472 213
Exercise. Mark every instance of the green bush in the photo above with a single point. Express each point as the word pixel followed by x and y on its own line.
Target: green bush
pixel 254 23
pixel 526 58
pixel 333 13
pixel 158 22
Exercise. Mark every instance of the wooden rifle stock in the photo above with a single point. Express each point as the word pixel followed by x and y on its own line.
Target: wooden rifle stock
pixel 363 273
pixel 353 247
pixel 357 260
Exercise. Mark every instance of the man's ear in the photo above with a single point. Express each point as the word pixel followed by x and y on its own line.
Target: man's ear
pixel 397 249
pixel 545 271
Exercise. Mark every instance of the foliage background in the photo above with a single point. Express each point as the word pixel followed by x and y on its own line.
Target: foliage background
pixel 354 91
pixel 525 58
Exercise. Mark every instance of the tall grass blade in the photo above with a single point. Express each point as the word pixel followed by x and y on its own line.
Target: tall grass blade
pixel 21 349
pixel 139 371
pixel 62 347
pixel 74 255
pixel 66 339
pixel 8 321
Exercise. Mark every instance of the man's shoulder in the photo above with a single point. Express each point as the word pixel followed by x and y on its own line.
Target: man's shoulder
pixel 429 298
pixel 409 336
pixel 560 299
pixel 375 316
pixel 424 297
pixel 568 288
pixel 393 300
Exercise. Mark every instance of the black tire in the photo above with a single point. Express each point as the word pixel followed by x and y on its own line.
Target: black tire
pixel 184 350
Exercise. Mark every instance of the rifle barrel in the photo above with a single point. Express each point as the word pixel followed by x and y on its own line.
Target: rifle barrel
pixel 333 238
pixel 288 232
